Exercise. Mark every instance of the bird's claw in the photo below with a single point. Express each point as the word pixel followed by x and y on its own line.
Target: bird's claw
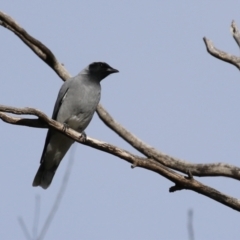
pixel 83 137
pixel 65 127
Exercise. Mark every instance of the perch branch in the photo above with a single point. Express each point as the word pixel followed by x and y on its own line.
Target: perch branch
pixel 218 169
pixel 181 182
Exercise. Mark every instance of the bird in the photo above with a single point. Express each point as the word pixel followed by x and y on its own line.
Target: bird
pixel 76 103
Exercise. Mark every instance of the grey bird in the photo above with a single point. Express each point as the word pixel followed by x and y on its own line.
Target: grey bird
pixel 75 106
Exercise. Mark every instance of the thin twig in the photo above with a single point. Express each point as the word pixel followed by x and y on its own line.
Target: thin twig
pixel 59 196
pixel 36 217
pixel 235 32
pixel 24 228
pixel 190 225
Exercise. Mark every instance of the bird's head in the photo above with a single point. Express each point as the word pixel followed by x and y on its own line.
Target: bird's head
pixel 100 70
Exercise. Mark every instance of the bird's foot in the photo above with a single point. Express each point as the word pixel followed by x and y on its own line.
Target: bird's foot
pixel 65 127
pixel 83 137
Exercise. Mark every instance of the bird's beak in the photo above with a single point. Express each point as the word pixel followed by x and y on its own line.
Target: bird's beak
pixel 112 70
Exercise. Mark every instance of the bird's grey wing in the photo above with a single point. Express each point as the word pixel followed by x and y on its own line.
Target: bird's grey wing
pixel 61 96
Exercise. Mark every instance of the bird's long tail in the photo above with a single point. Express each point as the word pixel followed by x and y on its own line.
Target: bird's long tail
pixel 44 176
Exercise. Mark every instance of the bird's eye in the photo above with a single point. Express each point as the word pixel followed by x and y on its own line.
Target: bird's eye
pixel 100 65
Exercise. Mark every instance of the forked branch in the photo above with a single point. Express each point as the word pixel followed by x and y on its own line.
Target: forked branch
pixel 226 57
pixel 156 161
pixel 181 182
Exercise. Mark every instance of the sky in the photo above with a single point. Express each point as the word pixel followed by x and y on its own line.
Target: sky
pixel 169 92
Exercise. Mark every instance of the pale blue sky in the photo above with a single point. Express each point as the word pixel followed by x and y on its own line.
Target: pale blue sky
pixel 170 92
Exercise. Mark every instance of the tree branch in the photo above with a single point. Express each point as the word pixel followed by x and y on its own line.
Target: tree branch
pixel 235 32
pixel 44 122
pixel 218 169
pixel 156 160
pixel 226 57
pixel 200 170
pixel 37 47
pixel 181 182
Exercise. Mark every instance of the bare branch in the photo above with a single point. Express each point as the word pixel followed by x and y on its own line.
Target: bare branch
pixel 235 32
pixel 24 228
pixel 177 164
pixel 200 170
pixel 218 169
pixel 220 54
pixel 45 122
pixel 36 217
pixel 22 121
pixel 190 225
pixel 59 196
pixel 180 181
pixel 37 47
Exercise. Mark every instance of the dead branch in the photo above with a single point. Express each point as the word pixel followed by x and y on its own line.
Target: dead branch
pixel 181 182
pixel 155 161
pixel 36 46
pixel 235 32
pixel 226 57
pixel 200 170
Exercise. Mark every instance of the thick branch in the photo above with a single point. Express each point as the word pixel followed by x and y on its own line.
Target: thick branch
pixel 214 169
pixel 45 122
pixel 180 181
pixel 201 170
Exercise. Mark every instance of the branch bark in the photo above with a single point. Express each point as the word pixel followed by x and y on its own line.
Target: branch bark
pixel 36 46
pixel 200 170
pixel 235 32
pixel 156 161
pixel 226 57
pixel 181 182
